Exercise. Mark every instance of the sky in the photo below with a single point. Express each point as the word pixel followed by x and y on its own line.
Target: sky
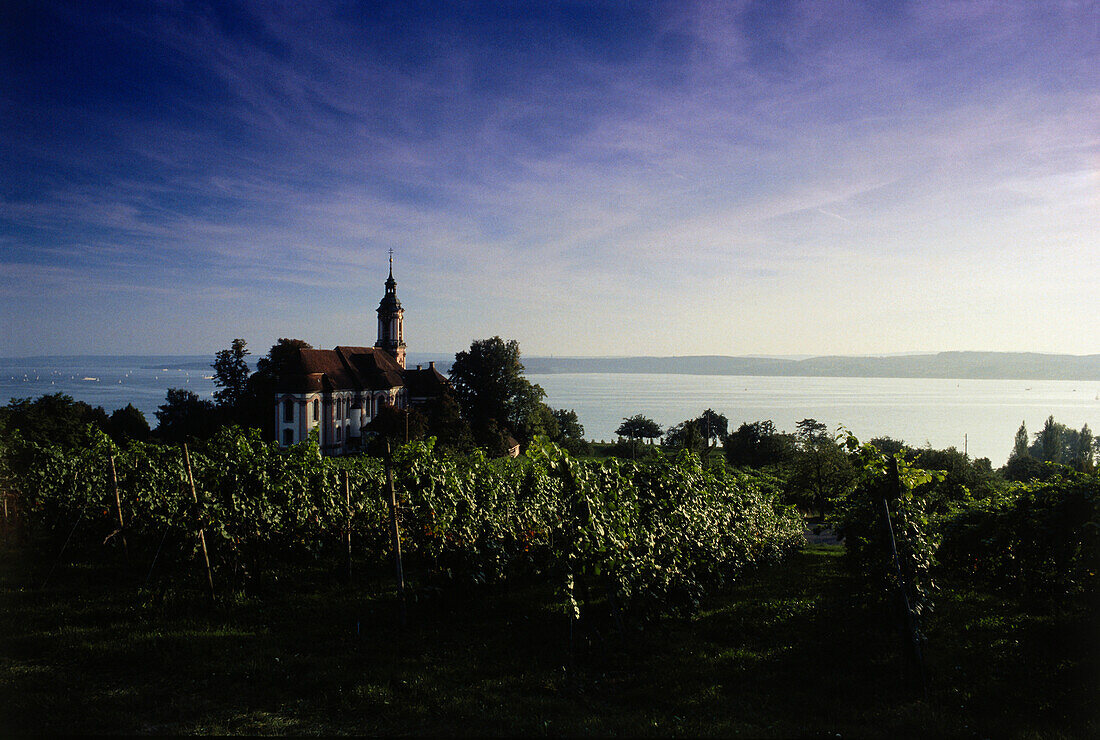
pixel 594 178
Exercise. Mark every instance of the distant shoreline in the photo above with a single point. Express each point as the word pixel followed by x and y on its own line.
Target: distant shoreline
pixel 941 365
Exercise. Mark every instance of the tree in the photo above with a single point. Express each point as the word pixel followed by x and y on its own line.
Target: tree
pixel 445 423
pixel 184 416
pixel 687 435
pixel 758 444
pixel 889 445
pixel 569 425
pixel 821 472
pixel 396 426
pixel 809 431
pixel 257 407
pixel 128 423
pixel 489 385
pixel 1019 447
pixel 1083 458
pixel 231 376
pixel 638 427
pixel 54 419
pixel 570 432
pixel 1050 440
pixel 713 425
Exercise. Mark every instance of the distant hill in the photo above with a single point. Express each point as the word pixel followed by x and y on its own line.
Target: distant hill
pixel 990 365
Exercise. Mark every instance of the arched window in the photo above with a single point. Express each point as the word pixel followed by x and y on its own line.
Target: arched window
pixel 338 430
pixel 288 410
pixel 288 437
pixel 316 409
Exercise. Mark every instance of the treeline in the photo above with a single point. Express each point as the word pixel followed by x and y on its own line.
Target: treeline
pixel 815 466
pixel 489 405
pixel 904 513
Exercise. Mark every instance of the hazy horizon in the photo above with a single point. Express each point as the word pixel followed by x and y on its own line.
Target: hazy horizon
pixel 427 353
pixel 594 180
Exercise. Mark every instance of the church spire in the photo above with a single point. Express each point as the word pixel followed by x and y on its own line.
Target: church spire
pixel 391 321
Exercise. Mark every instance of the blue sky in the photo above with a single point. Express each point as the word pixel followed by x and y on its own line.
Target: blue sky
pixel 587 178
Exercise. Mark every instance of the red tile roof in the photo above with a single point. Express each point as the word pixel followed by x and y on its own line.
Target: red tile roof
pixel 355 368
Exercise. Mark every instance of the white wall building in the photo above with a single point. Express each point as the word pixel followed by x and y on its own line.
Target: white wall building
pixel 340 391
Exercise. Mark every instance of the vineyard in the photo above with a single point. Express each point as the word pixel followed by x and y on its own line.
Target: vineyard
pixel 651 537
pixel 238 587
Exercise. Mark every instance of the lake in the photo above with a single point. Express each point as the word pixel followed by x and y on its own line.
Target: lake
pixel 983 415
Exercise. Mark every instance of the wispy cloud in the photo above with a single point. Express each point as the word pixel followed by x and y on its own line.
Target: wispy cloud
pixel 550 164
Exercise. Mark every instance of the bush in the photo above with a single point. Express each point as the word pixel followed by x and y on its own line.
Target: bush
pixel 1041 539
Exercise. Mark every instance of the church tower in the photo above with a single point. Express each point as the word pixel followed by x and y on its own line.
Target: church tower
pixel 391 321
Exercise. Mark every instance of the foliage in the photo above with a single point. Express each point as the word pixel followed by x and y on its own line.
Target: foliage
pixel 887 483
pixel 184 416
pixel 1057 443
pixel 652 536
pixel 1019 445
pixel 128 423
pixel 688 436
pixel 639 427
pixel 810 430
pixel 231 375
pixel 255 409
pixel 1040 538
pixel 570 436
pixel 820 471
pixel 396 427
pixel 53 419
pixel 758 444
pixel 445 423
pixel 713 425
pixel 964 478
pixel 495 398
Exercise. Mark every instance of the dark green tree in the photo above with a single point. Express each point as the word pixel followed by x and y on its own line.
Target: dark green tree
pixel 1050 440
pixel 489 385
pixel 185 417
pixel 687 435
pixel 1084 459
pixel 570 432
pixel 445 423
pixel 713 426
pixel 1019 447
pixel 396 426
pixel 127 424
pixel 890 446
pixel 808 431
pixel 231 376
pixel 638 427
pixel 821 472
pixel 257 409
pixel 53 419
pixel 759 444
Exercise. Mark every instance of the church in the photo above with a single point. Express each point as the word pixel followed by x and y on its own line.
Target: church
pixel 340 391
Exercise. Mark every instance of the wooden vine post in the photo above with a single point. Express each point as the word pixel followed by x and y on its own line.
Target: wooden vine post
pixel 395 533
pixel 118 508
pixel 202 535
pixel 347 527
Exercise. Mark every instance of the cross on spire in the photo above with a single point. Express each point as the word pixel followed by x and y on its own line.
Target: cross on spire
pixel 391 262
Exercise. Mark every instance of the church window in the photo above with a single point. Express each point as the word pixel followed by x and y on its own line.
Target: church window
pixel 288 437
pixel 338 430
pixel 316 409
pixel 288 410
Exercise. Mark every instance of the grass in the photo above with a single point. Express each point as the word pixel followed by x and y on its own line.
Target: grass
pixel 792 650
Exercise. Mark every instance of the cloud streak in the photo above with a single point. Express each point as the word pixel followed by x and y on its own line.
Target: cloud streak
pixel 539 167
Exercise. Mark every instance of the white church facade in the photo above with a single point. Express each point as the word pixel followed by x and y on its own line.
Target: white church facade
pixel 339 391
